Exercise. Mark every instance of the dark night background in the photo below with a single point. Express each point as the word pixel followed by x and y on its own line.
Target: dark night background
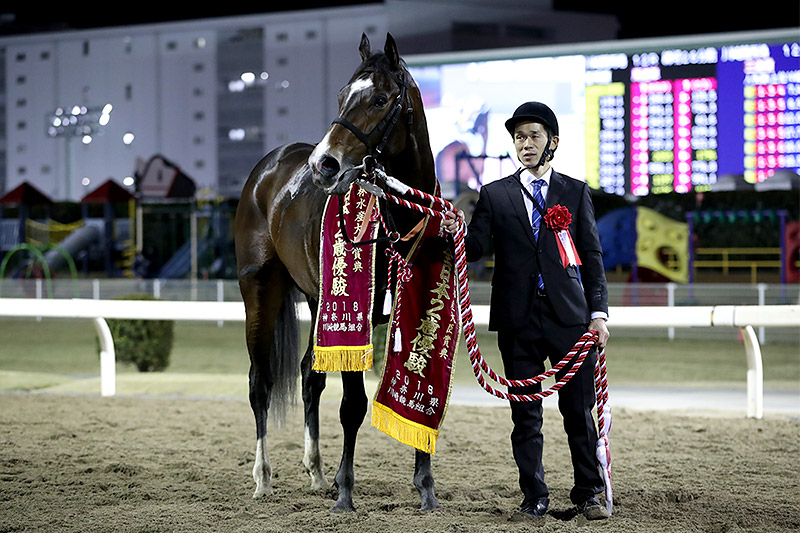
pixel 637 19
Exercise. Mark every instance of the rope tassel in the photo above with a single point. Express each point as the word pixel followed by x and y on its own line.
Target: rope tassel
pixel 387 303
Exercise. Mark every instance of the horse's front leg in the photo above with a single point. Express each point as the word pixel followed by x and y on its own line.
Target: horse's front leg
pixel 423 481
pixel 313 385
pixel 352 411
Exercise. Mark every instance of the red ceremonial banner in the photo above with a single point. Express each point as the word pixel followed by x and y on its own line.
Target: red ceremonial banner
pixel 343 331
pixel 422 343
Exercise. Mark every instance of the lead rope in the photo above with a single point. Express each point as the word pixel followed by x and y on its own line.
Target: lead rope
pixel 581 348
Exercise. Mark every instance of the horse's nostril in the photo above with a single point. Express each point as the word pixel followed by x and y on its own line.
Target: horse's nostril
pixel 328 166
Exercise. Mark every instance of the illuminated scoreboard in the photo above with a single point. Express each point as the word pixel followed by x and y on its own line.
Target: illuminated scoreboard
pixel 770 102
pixel 693 115
pixel 644 122
pixel 673 135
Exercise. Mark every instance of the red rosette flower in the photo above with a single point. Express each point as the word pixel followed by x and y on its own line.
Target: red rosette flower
pixel 558 218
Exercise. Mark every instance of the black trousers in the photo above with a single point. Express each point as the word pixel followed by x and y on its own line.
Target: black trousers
pixel 524 353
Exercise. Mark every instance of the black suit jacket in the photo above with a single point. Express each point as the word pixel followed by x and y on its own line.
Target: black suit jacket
pixel 500 225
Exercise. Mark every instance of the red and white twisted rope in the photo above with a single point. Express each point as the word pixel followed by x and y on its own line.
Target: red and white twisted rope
pixel 603 451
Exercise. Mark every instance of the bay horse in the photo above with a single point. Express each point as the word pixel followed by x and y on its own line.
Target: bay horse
pixel 277 239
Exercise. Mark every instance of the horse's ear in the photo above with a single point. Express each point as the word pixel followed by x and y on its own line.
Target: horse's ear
pixel 390 49
pixel 363 48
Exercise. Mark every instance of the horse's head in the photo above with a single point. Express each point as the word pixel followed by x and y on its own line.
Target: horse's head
pixel 374 118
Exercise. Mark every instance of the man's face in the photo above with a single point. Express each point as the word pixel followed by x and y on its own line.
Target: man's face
pixel 530 140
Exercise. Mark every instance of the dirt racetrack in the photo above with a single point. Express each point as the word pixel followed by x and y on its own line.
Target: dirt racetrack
pixel 74 463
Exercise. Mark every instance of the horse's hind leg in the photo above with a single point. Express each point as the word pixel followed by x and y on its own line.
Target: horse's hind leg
pixel 423 481
pixel 264 292
pixel 313 385
pixel 352 411
pixel 259 402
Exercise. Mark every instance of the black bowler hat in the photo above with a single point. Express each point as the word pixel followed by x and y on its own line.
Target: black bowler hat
pixel 533 112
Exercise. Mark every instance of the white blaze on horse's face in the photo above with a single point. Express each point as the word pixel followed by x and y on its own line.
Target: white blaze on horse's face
pixel 329 161
pixel 356 88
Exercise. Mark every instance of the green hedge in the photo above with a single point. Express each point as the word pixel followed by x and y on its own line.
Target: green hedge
pixel 147 344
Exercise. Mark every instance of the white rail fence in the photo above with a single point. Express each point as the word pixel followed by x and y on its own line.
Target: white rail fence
pixel 744 317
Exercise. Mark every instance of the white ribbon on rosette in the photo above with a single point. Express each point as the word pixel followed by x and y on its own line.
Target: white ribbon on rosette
pixel 566 248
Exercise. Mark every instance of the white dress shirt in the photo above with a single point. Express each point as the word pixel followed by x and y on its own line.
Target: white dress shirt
pixel 527 178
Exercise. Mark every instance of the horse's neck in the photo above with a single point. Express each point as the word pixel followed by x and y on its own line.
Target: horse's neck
pixel 415 168
pixel 415 165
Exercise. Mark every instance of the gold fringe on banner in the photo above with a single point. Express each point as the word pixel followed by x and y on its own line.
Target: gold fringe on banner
pixel 342 358
pixel 404 430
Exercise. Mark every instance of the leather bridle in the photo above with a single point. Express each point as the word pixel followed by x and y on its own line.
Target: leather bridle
pixel 385 126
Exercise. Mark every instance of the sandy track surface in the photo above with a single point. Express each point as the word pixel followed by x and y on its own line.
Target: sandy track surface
pixel 76 463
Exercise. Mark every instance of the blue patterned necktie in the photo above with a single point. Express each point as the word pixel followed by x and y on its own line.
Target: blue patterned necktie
pixel 536 218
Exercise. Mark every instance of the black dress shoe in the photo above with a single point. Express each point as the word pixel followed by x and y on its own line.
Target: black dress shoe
pixel 592 509
pixel 535 509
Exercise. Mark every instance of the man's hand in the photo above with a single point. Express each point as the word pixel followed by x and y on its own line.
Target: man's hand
pixel 599 325
pixel 452 221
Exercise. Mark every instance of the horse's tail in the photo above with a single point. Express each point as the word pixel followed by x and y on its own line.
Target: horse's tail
pixel 284 361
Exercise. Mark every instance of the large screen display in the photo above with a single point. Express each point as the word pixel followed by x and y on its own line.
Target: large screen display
pixel 649 122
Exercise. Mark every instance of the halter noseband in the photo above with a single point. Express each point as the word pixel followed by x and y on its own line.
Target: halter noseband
pixel 386 125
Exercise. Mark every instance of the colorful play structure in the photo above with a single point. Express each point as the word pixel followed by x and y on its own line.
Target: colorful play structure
pixel 49 246
pixel 113 229
pixel 641 238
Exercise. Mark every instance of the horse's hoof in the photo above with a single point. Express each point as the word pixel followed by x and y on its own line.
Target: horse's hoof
pixel 261 491
pixel 343 507
pixel 430 505
pixel 319 482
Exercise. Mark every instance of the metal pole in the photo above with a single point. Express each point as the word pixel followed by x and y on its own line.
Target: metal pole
pixel 762 298
pixel 782 236
pixel 193 250
pixel 220 297
pixel 108 361
pixel 690 250
pixel 755 374
pixel 671 303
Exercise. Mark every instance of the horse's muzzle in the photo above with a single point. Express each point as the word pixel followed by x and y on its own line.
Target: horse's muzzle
pixel 327 174
pixel 328 168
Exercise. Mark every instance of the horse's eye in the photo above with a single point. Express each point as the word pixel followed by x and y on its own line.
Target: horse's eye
pixel 381 101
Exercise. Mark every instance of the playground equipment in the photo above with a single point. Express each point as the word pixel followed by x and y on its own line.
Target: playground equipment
pixel 116 233
pixel 26 199
pixel 62 244
pixel 786 263
pixel 641 237
pixel 39 265
pixel 169 200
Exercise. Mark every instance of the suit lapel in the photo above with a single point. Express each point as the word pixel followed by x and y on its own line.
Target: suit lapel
pixel 555 190
pixel 515 197
pixel 554 196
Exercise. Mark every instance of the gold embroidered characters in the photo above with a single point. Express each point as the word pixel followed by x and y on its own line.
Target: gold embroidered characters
pixel 424 342
pixel 339 267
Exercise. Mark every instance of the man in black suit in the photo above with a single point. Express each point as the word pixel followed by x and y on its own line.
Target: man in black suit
pixel 541 302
